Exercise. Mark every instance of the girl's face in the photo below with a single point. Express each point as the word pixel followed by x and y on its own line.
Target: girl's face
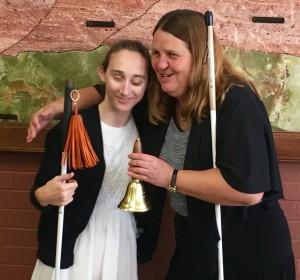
pixel 125 80
pixel 172 63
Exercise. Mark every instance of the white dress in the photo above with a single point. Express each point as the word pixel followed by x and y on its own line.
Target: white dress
pixel 106 249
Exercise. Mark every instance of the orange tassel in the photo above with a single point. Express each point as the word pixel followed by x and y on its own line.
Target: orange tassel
pixel 78 148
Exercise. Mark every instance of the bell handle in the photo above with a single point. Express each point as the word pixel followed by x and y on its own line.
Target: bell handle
pixel 137 147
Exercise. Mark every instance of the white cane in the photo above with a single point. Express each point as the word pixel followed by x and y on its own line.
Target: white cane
pixel 60 221
pixel 213 118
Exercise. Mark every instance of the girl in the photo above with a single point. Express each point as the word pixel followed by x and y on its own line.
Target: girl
pixel 99 240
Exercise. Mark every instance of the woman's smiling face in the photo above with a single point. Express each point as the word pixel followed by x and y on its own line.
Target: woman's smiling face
pixel 172 62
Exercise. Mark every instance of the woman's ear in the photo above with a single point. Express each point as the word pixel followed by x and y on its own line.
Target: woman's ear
pixel 101 73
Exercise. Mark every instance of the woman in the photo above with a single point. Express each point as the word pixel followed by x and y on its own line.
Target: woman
pixel 99 240
pixel 177 157
pixel 256 238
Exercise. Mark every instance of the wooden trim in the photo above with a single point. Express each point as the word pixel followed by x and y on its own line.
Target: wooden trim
pixel 287 146
pixel 13 138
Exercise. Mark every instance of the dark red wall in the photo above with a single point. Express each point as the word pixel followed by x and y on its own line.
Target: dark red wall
pixel 18 219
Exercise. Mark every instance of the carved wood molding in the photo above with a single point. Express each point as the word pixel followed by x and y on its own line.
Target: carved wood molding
pixel 13 138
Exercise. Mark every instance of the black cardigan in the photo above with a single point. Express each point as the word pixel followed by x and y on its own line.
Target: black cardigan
pixel 77 213
pixel 247 161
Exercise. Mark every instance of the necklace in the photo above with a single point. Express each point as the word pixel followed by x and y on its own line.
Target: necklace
pixel 183 119
pixel 180 118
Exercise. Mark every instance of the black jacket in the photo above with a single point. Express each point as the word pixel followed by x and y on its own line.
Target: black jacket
pixel 247 160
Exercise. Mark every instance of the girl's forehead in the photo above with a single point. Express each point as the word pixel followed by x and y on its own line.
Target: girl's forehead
pixel 126 55
pixel 128 62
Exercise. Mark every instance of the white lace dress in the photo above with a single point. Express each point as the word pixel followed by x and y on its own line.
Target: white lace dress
pixel 106 249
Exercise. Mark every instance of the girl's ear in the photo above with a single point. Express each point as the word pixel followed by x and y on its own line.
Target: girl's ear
pixel 101 73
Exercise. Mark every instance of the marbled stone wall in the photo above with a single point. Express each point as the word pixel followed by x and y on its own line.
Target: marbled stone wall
pixel 45 41
pixel 59 25
pixel 42 42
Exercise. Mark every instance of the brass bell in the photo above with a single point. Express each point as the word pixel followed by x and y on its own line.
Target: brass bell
pixel 135 199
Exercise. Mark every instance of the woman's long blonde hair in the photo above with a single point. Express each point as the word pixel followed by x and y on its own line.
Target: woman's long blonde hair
pixel 189 26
